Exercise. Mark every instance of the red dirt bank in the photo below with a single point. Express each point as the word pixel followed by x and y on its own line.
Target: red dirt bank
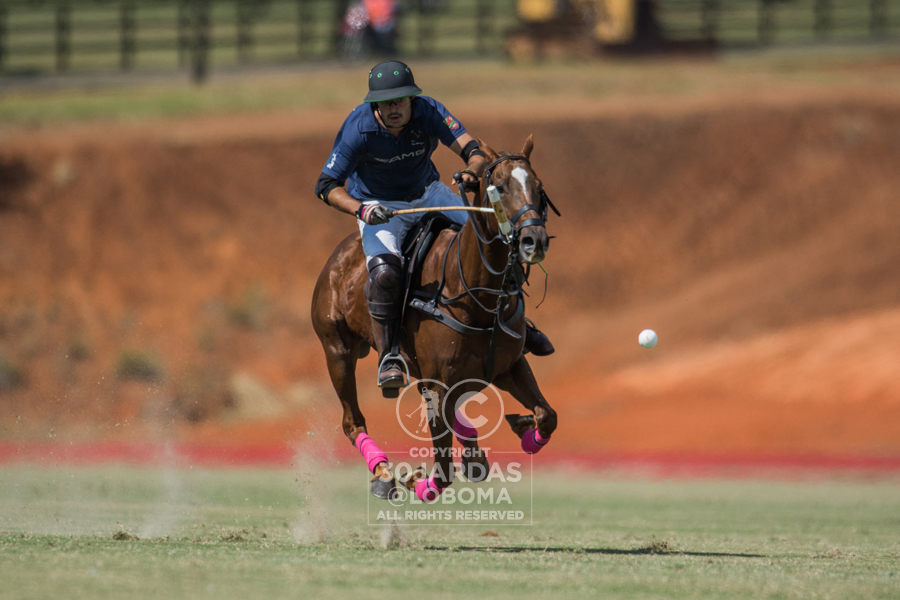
pixel 756 236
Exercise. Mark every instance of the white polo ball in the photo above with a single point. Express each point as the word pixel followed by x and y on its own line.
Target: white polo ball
pixel 647 338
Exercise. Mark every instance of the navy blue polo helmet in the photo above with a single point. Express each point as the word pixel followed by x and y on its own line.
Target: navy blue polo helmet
pixel 390 80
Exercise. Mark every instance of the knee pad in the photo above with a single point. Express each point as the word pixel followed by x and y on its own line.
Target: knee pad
pixel 384 287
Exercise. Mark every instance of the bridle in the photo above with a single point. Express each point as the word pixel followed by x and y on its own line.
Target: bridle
pixel 513 266
pixel 514 277
pixel 545 203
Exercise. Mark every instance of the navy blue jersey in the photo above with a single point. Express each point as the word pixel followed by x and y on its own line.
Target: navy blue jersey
pixel 379 166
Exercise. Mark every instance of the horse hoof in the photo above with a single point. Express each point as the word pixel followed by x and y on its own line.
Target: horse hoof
pixel 390 393
pixel 474 471
pixel 409 479
pixel 386 490
pixel 521 423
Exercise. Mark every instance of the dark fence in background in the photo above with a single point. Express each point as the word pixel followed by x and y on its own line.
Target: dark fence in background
pixel 42 36
pixel 38 36
pixel 760 22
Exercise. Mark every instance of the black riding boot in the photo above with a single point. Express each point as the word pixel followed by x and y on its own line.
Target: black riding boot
pixel 384 290
pixel 536 342
pixel 390 373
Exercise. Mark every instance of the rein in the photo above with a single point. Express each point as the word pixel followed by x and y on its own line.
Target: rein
pixel 513 274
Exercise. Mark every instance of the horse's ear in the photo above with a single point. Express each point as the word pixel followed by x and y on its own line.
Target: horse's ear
pixel 489 153
pixel 529 146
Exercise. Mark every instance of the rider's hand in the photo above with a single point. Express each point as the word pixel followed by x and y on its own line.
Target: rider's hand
pixel 475 168
pixel 373 214
pixel 468 178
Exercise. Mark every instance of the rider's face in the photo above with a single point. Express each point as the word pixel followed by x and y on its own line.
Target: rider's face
pixel 395 113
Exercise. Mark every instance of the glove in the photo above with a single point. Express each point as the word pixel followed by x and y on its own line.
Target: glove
pixel 373 214
pixel 468 185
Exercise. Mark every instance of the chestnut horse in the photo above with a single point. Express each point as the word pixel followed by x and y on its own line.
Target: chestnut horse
pixel 477 272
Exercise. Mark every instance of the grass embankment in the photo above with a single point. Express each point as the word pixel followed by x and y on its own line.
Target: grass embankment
pixel 553 84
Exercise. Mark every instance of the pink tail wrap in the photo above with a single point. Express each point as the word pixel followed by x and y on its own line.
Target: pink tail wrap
pixel 427 491
pixel 532 442
pixel 463 429
pixel 370 451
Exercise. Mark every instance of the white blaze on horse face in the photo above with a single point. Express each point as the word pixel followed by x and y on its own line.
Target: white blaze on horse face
pixel 521 175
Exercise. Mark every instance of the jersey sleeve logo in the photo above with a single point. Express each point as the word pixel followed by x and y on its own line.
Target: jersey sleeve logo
pixel 330 164
pixel 452 123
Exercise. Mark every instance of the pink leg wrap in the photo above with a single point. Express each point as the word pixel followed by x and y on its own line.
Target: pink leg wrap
pixel 427 491
pixel 532 442
pixel 463 429
pixel 370 451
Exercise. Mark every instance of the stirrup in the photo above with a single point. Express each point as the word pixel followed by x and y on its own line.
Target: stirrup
pixel 405 369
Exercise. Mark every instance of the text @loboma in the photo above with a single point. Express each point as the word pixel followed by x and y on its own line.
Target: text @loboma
pixel 502 498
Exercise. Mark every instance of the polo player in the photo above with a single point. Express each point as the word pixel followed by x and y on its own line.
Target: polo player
pixel 383 155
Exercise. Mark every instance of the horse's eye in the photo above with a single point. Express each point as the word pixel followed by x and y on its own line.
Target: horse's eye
pixel 501 188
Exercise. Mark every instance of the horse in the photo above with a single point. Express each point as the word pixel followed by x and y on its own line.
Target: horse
pixel 465 272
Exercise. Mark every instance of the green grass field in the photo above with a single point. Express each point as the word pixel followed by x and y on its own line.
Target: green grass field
pixel 489 82
pixel 282 533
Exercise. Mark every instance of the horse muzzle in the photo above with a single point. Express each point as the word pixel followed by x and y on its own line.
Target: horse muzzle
pixel 533 244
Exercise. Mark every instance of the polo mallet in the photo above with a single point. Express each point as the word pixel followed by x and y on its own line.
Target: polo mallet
pixel 502 221
pixel 412 211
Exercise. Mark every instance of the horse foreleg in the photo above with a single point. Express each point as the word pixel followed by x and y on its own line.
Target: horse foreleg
pixel 429 488
pixel 341 355
pixel 342 370
pixel 520 382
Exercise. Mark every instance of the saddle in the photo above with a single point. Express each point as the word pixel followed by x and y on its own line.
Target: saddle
pixel 416 245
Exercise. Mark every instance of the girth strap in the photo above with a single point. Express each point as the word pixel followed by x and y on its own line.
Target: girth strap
pixel 430 308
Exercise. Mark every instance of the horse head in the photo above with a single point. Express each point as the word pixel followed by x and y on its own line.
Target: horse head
pixel 522 197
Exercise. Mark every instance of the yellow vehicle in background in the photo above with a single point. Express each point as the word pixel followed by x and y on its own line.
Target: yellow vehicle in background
pixel 554 28
pixel 608 21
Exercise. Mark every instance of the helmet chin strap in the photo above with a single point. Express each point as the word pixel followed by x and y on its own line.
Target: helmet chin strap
pixel 381 115
pixel 384 121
